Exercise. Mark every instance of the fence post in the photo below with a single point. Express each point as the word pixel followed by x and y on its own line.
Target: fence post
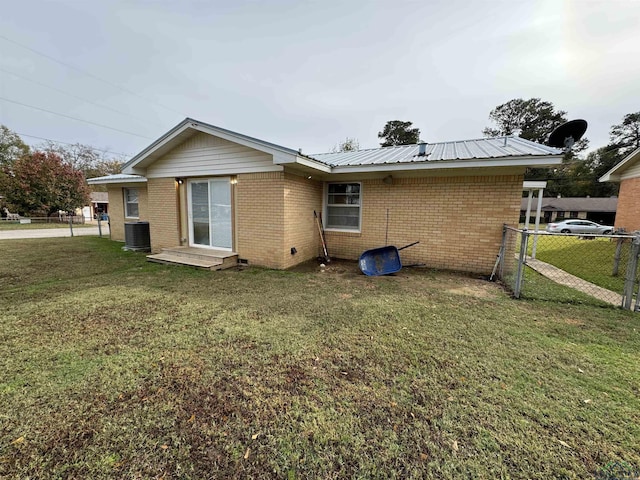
pixel 521 260
pixel 630 278
pixel 503 250
pixel 616 258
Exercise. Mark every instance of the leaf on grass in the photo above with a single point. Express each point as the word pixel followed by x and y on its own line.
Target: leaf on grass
pixel 423 456
pixel 580 370
pixel 564 444
pixel 246 454
pixel 18 441
pixel 254 436
pixel 455 445
pixel 588 400
pixel 164 447
pixel 192 418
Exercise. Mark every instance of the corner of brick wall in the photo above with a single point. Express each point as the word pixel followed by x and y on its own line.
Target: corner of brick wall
pixel 259 218
pixel 162 210
pixel 116 208
pixel 301 197
pixel 628 211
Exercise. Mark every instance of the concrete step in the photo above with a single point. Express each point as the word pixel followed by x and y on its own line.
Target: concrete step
pixel 210 263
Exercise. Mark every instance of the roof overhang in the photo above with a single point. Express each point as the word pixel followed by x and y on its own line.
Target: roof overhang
pixel 525 161
pixel 614 175
pixel 119 178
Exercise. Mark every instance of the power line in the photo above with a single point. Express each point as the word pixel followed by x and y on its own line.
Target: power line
pixel 72 144
pixel 74 118
pixel 75 96
pixel 89 74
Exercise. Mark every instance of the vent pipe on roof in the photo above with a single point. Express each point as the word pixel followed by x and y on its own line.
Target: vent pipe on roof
pixel 422 149
pixel 505 141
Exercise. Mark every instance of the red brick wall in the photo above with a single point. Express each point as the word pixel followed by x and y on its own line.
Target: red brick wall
pixel 628 213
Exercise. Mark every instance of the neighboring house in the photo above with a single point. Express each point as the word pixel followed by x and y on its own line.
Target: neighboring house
pixel 627 172
pixel 98 204
pixel 600 210
pixel 230 194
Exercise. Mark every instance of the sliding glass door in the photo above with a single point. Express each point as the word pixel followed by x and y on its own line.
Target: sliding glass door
pixel 210 213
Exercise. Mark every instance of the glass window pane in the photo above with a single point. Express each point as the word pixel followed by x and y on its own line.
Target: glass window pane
pixel 131 202
pixel 341 217
pixel 343 206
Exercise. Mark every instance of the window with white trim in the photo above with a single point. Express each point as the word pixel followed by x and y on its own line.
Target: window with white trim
pixel 131 209
pixel 343 206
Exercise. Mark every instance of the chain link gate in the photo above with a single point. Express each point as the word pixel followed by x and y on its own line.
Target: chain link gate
pixel 605 267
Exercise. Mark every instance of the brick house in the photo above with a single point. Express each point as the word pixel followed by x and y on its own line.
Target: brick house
pixel 212 191
pixel 627 172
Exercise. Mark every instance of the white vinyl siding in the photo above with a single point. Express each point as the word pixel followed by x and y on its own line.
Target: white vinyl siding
pixel 343 211
pixel 205 154
pixel 131 208
pixel 632 172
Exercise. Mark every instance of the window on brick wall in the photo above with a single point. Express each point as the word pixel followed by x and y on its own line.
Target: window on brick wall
pixel 131 209
pixel 343 206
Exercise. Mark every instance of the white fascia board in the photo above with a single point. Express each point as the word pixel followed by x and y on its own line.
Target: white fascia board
pixel 613 175
pixel 546 161
pixel 307 162
pixel 304 161
pixel 105 181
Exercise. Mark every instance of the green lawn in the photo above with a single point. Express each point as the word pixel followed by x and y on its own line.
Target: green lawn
pixel 112 367
pixel 591 259
pixel 4 225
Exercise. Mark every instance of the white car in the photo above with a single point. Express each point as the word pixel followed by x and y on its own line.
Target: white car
pixel 579 226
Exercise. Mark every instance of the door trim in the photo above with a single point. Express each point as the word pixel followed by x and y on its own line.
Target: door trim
pixel 191 243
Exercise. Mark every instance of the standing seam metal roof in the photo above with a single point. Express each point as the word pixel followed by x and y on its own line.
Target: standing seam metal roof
pixel 483 148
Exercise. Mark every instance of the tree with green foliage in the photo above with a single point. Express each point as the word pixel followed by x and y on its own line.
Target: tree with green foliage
pixel 91 162
pixel 532 119
pixel 41 183
pixel 348 145
pixel 397 132
pixel 11 146
pixel 626 135
pixel 11 149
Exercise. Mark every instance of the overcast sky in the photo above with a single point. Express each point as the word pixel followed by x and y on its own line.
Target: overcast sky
pixel 308 74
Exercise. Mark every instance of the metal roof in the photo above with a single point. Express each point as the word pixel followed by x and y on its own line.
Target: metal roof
pixel 498 147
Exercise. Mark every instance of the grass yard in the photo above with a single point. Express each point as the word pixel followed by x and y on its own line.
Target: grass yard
pixel 591 260
pixel 118 368
pixel 4 225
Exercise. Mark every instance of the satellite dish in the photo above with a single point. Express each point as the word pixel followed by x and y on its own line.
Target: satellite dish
pixel 565 135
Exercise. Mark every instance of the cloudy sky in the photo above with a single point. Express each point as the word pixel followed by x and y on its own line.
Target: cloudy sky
pixel 308 74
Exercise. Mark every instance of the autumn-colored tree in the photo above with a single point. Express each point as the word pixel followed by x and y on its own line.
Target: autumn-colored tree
pixel 42 183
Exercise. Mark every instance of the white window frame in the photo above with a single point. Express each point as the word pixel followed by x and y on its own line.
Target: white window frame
pixel 125 192
pixel 325 215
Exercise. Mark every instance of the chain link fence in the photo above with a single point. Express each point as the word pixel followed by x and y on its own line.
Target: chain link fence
pixel 599 268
